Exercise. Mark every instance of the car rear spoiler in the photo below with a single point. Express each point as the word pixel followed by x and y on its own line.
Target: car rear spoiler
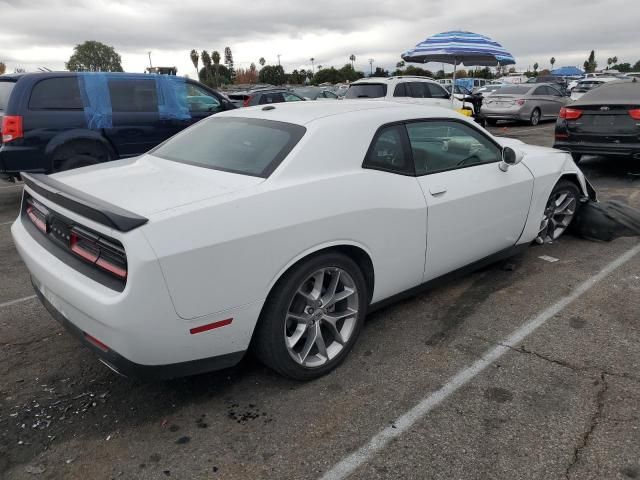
pixel 82 203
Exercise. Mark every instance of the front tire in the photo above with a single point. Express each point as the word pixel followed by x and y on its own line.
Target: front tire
pixel 561 208
pixel 312 317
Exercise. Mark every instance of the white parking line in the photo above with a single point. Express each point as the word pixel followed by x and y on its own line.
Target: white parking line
pixel 12 186
pixel 7 223
pixel 349 464
pixel 19 300
pixel 516 131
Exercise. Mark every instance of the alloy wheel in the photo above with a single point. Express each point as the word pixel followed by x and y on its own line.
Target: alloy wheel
pixel 321 317
pixel 558 214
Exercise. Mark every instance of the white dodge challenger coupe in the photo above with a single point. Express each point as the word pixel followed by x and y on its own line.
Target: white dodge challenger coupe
pixel 276 229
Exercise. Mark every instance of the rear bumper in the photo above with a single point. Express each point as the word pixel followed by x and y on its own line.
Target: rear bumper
pixel 605 149
pixel 127 368
pixel 504 115
pixel 14 159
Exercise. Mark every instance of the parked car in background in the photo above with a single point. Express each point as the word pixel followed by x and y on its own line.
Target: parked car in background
pixel 585 85
pixel 340 90
pixel 264 96
pixel 411 89
pixel 488 90
pixel 57 121
pixel 604 121
pixel 529 102
pixel 409 194
pixel 315 93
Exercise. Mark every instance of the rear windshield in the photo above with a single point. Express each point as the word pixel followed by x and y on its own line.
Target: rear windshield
pixel 515 90
pixel 247 146
pixel 589 85
pixel 5 91
pixel 367 90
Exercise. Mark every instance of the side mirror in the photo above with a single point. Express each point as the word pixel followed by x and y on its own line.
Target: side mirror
pixel 510 157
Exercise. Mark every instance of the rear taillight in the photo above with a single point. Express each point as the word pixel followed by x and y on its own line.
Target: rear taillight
pixel 38 218
pixel 635 113
pixel 520 102
pixel 246 101
pixel 570 113
pixel 11 128
pixel 98 251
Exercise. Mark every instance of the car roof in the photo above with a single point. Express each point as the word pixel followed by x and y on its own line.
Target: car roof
pixel 304 113
pixel 397 78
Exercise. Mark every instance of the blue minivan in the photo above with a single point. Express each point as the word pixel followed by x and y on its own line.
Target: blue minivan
pixel 57 121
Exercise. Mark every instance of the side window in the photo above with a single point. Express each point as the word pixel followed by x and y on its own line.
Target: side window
pixel 442 145
pixel 271 98
pixel 418 90
pixel 328 94
pixel 290 97
pixel 388 152
pixel 129 95
pixel 199 100
pixel 437 91
pixel 60 93
pixel 554 91
pixel 540 91
pixel 400 90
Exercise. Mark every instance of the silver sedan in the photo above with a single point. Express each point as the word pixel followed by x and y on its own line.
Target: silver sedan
pixel 524 102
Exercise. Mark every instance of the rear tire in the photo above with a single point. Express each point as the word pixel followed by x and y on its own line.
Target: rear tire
pixel 534 120
pixel 492 122
pixel 77 161
pixel 301 334
pixel 79 154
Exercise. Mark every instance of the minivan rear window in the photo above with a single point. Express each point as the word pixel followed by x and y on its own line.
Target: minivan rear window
pixel 247 146
pixel 60 93
pixel 366 90
pixel 515 90
pixel 5 91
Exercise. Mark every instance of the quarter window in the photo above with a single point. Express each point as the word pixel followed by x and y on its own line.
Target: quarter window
pixel 437 91
pixel 56 94
pixel 129 95
pixel 290 97
pixel 199 100
pixel 418 90
pixel 388 151
pixel 438 146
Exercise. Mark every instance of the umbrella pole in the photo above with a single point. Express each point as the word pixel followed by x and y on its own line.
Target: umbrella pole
pixel 453 82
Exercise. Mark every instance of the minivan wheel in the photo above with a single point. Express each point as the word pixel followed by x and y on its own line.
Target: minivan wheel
pixel 313 317
pixel 77 162
pixel 535 117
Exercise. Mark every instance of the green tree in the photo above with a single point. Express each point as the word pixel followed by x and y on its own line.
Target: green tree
pixel 380 72
pixel 535 69
pixel 352 58
pixel 194 58
pixel 623 67
pixel 552 61
pixel 590 65
pixel 228 61
pixel 215 58
pixel 273 74
pixel 3 68
pixel 609 62
pixel 349 74
pixel 636 67
pixel 262 61
pixel 92 56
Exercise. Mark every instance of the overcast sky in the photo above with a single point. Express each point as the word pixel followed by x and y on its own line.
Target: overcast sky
pixel 42 33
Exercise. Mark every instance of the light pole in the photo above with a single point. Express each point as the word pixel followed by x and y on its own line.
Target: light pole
pixel 371 66
pixel 150 65
pixel 313 71
pixel 278 59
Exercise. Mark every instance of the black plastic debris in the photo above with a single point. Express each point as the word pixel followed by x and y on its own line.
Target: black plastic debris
pixel 606 221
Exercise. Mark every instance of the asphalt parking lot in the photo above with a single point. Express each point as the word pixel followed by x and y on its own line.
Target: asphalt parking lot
pixel 527 369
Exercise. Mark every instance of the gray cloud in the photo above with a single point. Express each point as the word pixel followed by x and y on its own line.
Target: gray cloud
pixel 43 32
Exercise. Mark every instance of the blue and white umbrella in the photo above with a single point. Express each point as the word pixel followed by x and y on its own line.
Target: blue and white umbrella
pixel 460 48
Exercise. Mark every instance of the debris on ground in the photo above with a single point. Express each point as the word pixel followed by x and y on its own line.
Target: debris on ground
pixel 547 258
pixel 35 469
pixel 606 221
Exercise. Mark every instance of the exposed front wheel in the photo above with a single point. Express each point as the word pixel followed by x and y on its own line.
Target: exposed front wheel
pixel 561 207
pixel 535 117
pixel 313 317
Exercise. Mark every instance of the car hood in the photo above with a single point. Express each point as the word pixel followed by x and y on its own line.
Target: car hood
pixel 146 185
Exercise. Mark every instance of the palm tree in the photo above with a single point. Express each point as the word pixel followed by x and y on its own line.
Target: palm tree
pixel 614 60
pixel 609 62
pixel 552 62
pixel 206 61
pixel 194 58
pixel 352 57
pixel 319 67
pixel 215 56
pixel 262 61
pixel 535 68
pixel 312 67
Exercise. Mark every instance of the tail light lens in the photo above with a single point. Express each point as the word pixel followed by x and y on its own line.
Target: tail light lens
pixel 635 113
pixel 37 217
pixel 520 102
pixel 103 254
pixel 570 113
pixel 11 128
pixel 246 101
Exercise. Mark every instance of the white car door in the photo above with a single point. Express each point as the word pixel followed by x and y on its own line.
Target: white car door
pixel 473 208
